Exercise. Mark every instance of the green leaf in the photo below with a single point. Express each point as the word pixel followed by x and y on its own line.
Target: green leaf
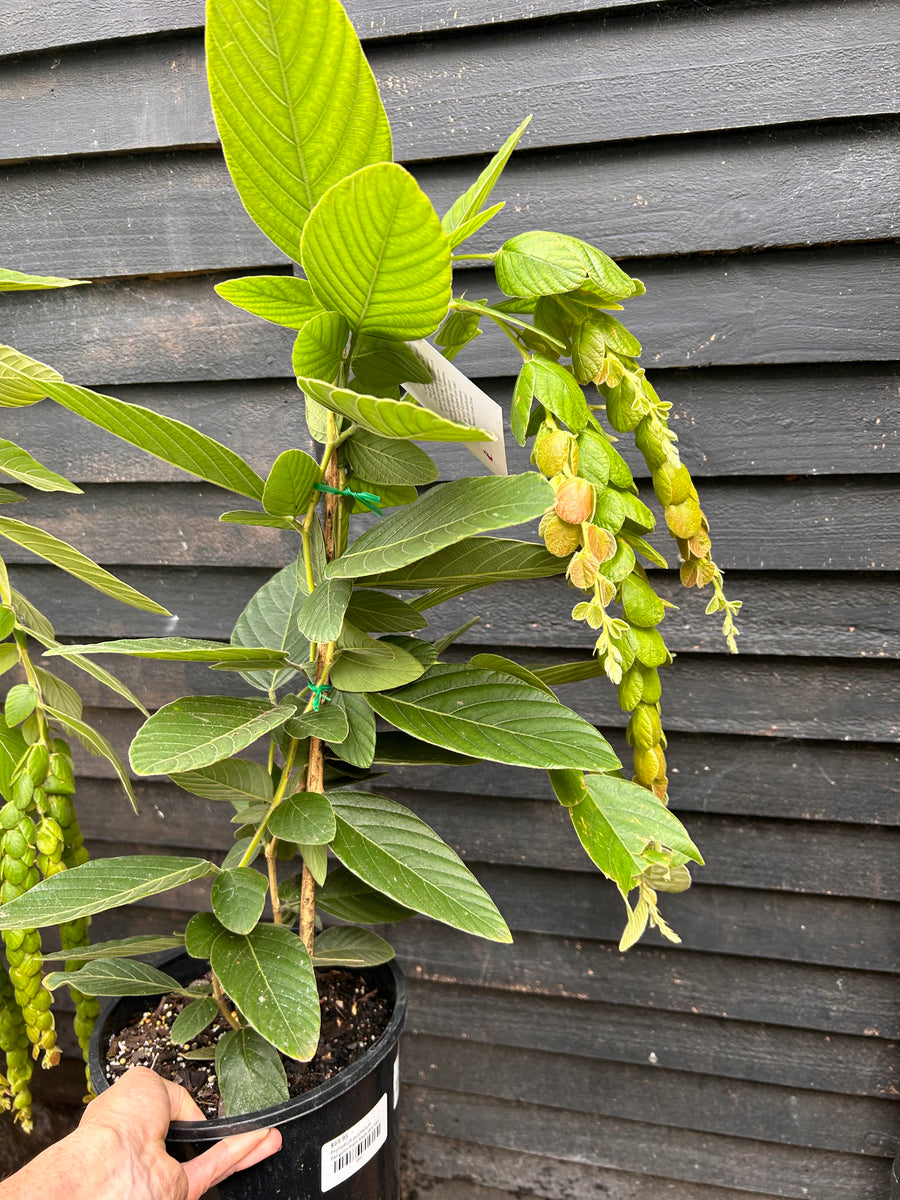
pixel 397 854
pixel 238 898
pixel 28 616
pixel 15 281
pixel 115 977
pixel 95 743
pixel 305 818
pixel 383 364
pixel 618 820
pixel 200 933
pixel 601 463
pixel 496 662
pixel 56 692
pixel 547 264
pixel 471 227
pixel 17 390
pixel 19 704
pixel 168 439
pixel 270 619
pixel 255 516
pixel 90 668
pixel 573 672
pixel 470 202
pixel 387 460
pixel 319 346
pixel 322 613
pixel 12 747
pixel 99 885
pixel 644 548
pixel 472 563
pixel 62 555
pixel 296 106
pixel 490 715
pixel 316 858
pixel 249 1072
pixel 7 496
pixel 422 651
pixel 390 418
pixel 553 387
pixel 233 779
pixel 329 723
pixel 269 976
pixel 400 750
pixel 346 897
pixel 358 747
pixel 290 484
pixel 459 328
pixel 366 664
pixel 281 299
pixel 18 463
pixel 374 251
pixel 9 653
pixel 197 731
pixel 120 948
pixel 379 612
pixel 174 649
pixel 193 1019
pixel 389 496
pixel 448 514
pixel 346 946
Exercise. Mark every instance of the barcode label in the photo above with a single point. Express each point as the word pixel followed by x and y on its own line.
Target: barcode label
pixel 345 1154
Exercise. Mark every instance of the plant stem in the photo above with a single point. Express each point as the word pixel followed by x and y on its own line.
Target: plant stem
pixel 219 997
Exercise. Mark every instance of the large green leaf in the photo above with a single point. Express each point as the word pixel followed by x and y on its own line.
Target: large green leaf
pixel 168 439
pixel 374 251
pixel 175 649
pixel 238 898
pixel 390 418
pixel 281 299
pixel 305 818
pixel 270 619
pixel 345 946
pixel 235 780
pixel 467 206
pixel 15 281
pixel 387 460
pixel 296 106
pixel 95 743
pixel 290 483
pixel 322 613
pixel 250 1073
pixel 67 558
pixel 197 731
pixel 494 716
pixel 19 465
pixel 346 897
pixel 269 976
pixel 472 563
pixel 448 514
pixel 115 977
pixel 394 852
pixel 546 264
pixel 99 885
pixel 616 822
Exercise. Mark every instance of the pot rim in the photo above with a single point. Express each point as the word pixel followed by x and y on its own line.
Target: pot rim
pixel 287 1110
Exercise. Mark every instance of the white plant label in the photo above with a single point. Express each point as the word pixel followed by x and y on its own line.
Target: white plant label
pixel 344 1155
pixel 451 394
pixel 397 1079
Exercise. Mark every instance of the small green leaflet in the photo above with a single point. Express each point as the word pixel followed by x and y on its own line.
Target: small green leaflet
pixel 322 613
pixel 394 852
pixel 538 263
pixel 468 205
pixel 193 1019
pixel 387 460
pixel 250 1073
pixel 99 885
pixel 18 390
pixel 62 555
pixel 328 723
pixel 235 780
pixel 553 387
pixel 115 977
pixel 358 747
pixel 19 465
pixel 290 484
pixel 19 703
pixel 390 418
pixel 12 747
pixel 238 897
pixel 15 281
pixel 305 818
pixel 200 933
pixel 448 514
pixel 197 731
pixel 379 612
pixel 319 346
pixel 367 664
pixel 346 946
pixel 281 299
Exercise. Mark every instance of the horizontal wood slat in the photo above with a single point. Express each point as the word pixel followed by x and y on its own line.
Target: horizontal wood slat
pixel 153 214
pixel 792 420
pixel 749 1166
pixel 706 1103
pixel 663 71
pixel 788 306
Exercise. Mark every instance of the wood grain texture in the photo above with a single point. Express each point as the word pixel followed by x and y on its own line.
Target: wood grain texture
pixel 153 214
pixel 667 70
pixel 775 307
pixel 723 1161
pixel 642 1092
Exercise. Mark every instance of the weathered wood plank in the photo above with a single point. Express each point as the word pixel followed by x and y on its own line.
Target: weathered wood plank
pixel 750 1166
pixel 792 994
pixel 842 616
pixel 444 1168
pixel 804 524
pixel 789 420
pixel 152 214
pixel 698 312
pixel 665 71
pixel 56 25
pixel 704 1103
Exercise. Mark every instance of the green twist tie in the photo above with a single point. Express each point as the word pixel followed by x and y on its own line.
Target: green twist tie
pixel 369 499
pixel 319 691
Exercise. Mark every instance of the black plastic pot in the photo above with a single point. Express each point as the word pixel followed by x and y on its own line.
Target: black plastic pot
pixel 339 1141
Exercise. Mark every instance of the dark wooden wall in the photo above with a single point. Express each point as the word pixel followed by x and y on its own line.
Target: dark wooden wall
pixel 742 159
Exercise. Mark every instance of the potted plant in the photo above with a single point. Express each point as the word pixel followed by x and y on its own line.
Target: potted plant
pixel 347 680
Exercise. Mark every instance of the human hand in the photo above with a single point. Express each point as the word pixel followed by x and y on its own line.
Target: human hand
pixel 118 1151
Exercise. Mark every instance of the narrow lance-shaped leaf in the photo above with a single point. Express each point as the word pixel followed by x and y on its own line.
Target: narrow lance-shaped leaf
pixel 235 780
pixel 197 731
pixel 471 563
pixel 390 418
pixel 466 206
pixel 19 465
pixel 296 106
pixel 62 555
pixel 174 649
pixel 270 619
pixel 16 281
pixel 151 943
pixel 99 885
pixel 95 743
pixel 115 977
pixel 446 515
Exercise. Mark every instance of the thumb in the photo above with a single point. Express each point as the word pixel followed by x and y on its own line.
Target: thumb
pixel 232 1154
